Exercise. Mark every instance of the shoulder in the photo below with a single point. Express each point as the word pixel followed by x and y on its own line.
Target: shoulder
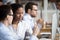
pixel 24 24
pixel 26 17
pixel 2 27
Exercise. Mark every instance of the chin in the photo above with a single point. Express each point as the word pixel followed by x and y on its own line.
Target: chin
pixel 33 16
pixel 10 23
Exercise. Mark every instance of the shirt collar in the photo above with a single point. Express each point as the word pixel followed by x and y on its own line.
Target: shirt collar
pixel 2 24
pixel 29 16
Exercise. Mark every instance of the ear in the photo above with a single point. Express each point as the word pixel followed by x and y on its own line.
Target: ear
pixel 29 11
pixel 7 17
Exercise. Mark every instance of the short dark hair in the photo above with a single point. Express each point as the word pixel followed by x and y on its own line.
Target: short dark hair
pixel 15 7
pixel 57 1
pixel 29 5
pixel 4 11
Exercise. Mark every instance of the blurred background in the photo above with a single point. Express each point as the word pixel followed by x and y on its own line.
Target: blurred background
pixel 47 10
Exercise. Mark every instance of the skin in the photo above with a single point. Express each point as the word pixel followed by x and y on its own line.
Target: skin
pixel 1 3
pixel 8 19
pixel 58 5
pixel 19 14
pixel 34 11
pixel 18 17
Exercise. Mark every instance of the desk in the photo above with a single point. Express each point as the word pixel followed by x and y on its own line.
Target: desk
pixel 46 31
pixel 57 37
pixel 50 23
pixel 44 39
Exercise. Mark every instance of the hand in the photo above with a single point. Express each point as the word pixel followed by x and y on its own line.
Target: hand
pixel 40 21
pixel 35 30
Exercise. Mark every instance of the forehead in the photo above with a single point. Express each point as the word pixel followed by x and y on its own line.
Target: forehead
pixel 20 8
pixel 34 7
pixel 58 3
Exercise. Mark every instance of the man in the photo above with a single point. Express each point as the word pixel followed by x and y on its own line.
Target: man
pixel 30 14
pixel 1 3
pixel 6 17
pixel 55 24
pixel 58 12
pixel 58 4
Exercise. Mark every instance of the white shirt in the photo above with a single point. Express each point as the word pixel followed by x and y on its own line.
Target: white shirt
pixel 6 33
pixel 29 19
pixel 21 29
pixel 31 22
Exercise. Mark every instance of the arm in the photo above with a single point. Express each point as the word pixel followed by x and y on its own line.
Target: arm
pixel 33 33
pixel 6 34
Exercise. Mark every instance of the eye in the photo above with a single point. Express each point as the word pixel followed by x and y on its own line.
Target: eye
pixel 10 14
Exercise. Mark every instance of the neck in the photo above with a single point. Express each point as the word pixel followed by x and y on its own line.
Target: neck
pixel 15 25
pixel 15 22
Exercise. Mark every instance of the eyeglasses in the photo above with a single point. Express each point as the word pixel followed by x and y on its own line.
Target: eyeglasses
pixel 10 14
pixel 34 9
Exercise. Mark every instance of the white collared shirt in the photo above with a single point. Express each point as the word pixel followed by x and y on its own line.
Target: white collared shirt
pixel 29 20
pixel 21 29
pixel 6 33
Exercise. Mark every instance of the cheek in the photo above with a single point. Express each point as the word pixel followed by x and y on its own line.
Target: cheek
pixel 22 15
pixel 18 16
pixel 10 19
pixel 34 13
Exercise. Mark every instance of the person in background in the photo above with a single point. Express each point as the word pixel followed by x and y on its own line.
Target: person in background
pixel 58 12
pixel 30 14
pixel 58 9
pixel 6 17
pixel 1 3
pixel 5 2
pixel 58 4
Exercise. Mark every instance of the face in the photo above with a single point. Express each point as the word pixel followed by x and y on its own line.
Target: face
pixel 19 14
pixel 34 11
pixel 58 5
pixel 1 3
pixel 10 17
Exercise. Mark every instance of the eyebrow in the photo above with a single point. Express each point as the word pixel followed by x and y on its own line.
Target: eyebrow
pixel 10 14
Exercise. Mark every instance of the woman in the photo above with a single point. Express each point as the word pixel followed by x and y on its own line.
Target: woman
pixel 18 25
pixel 6 17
